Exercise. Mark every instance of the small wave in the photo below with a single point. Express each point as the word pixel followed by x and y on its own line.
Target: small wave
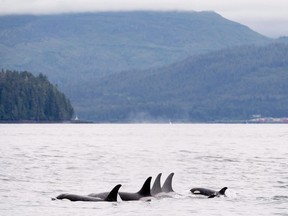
pixel 5 179
pixel 72 168
pixel 280 198
pixel 217 159
pixel 230 160
pixel 281 186
pixel 185 151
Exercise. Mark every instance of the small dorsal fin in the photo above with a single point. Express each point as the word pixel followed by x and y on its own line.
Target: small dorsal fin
pixel 167 186
pixel 145 190
pixel 112 196
pixel 222 191
pixel 156 189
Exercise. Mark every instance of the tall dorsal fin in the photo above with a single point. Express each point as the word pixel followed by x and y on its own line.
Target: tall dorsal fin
pixel 112 196
pixel 156 189
pixel 167 186
pixel 222 191
pixel 145 190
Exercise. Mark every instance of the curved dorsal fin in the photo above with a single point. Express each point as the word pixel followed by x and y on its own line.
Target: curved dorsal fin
pixel 145 190
pixel 167 186
pixel 112 196
pixel 222 191
pixel 156 189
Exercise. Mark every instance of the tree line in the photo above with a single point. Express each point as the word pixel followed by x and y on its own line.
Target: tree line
pixel 25 97
pixel 230 84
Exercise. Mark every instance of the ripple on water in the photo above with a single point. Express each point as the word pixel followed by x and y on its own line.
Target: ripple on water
pixel 200 155
pixel 280 198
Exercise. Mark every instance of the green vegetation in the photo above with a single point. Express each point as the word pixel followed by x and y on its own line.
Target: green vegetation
pixel 228 84
pixel 24 97
pixel 74 48
pixel 103 61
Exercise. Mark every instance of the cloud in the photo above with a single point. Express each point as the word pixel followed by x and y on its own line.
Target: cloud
pixel 252 13
pixel 57 6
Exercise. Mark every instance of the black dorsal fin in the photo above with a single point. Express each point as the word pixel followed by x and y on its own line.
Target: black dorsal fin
pixel 145 190
pixel 167 186
pixel 222 191
pixel 156 188
pixel 112 196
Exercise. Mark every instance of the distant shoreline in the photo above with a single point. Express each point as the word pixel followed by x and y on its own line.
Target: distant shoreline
pixel 143 122
pixel 47 122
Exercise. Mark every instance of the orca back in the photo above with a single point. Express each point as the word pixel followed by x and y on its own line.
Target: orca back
pixel 156 188
pixel 112 196
pixel 145 190
pixel 99 195
pixel 75 198
pixel 126 196
pixel 208 192
pixel 202 191
pixel 167 186
pixel 222 191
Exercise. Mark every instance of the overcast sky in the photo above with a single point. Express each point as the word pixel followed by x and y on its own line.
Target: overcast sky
pixel 269 17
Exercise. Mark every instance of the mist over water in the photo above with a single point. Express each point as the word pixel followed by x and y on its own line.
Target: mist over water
pixel 40 161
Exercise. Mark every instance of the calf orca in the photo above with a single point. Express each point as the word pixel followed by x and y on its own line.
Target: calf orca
pixel 111 197
pixel 144 192
pixel 208 192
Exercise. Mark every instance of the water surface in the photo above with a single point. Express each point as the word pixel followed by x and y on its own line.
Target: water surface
pixel 40 161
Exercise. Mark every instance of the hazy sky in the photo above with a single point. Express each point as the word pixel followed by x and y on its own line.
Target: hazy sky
pixel 269 17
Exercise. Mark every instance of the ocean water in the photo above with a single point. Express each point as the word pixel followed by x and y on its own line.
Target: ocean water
pixel 40 161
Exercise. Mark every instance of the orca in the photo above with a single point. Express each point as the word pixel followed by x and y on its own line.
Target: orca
pixel 166 190
pixel 208 192
pixel 167 186
pixel 143 193
pixel 111 196
pixel 156 188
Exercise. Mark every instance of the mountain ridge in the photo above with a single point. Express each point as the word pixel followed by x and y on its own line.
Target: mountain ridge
pixel 129 40
pixel 76 50
pixel 210 87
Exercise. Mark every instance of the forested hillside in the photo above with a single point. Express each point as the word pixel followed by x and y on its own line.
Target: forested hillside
pixel 24 97
pixel 73 48
pixel 228 84
pixel 77 50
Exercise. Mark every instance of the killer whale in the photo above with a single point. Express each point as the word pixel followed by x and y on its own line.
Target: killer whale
pixel 110 197
pixel 208 192
pixel 165 190
pixel 144 192
pixel 156 188
pixel 167 186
